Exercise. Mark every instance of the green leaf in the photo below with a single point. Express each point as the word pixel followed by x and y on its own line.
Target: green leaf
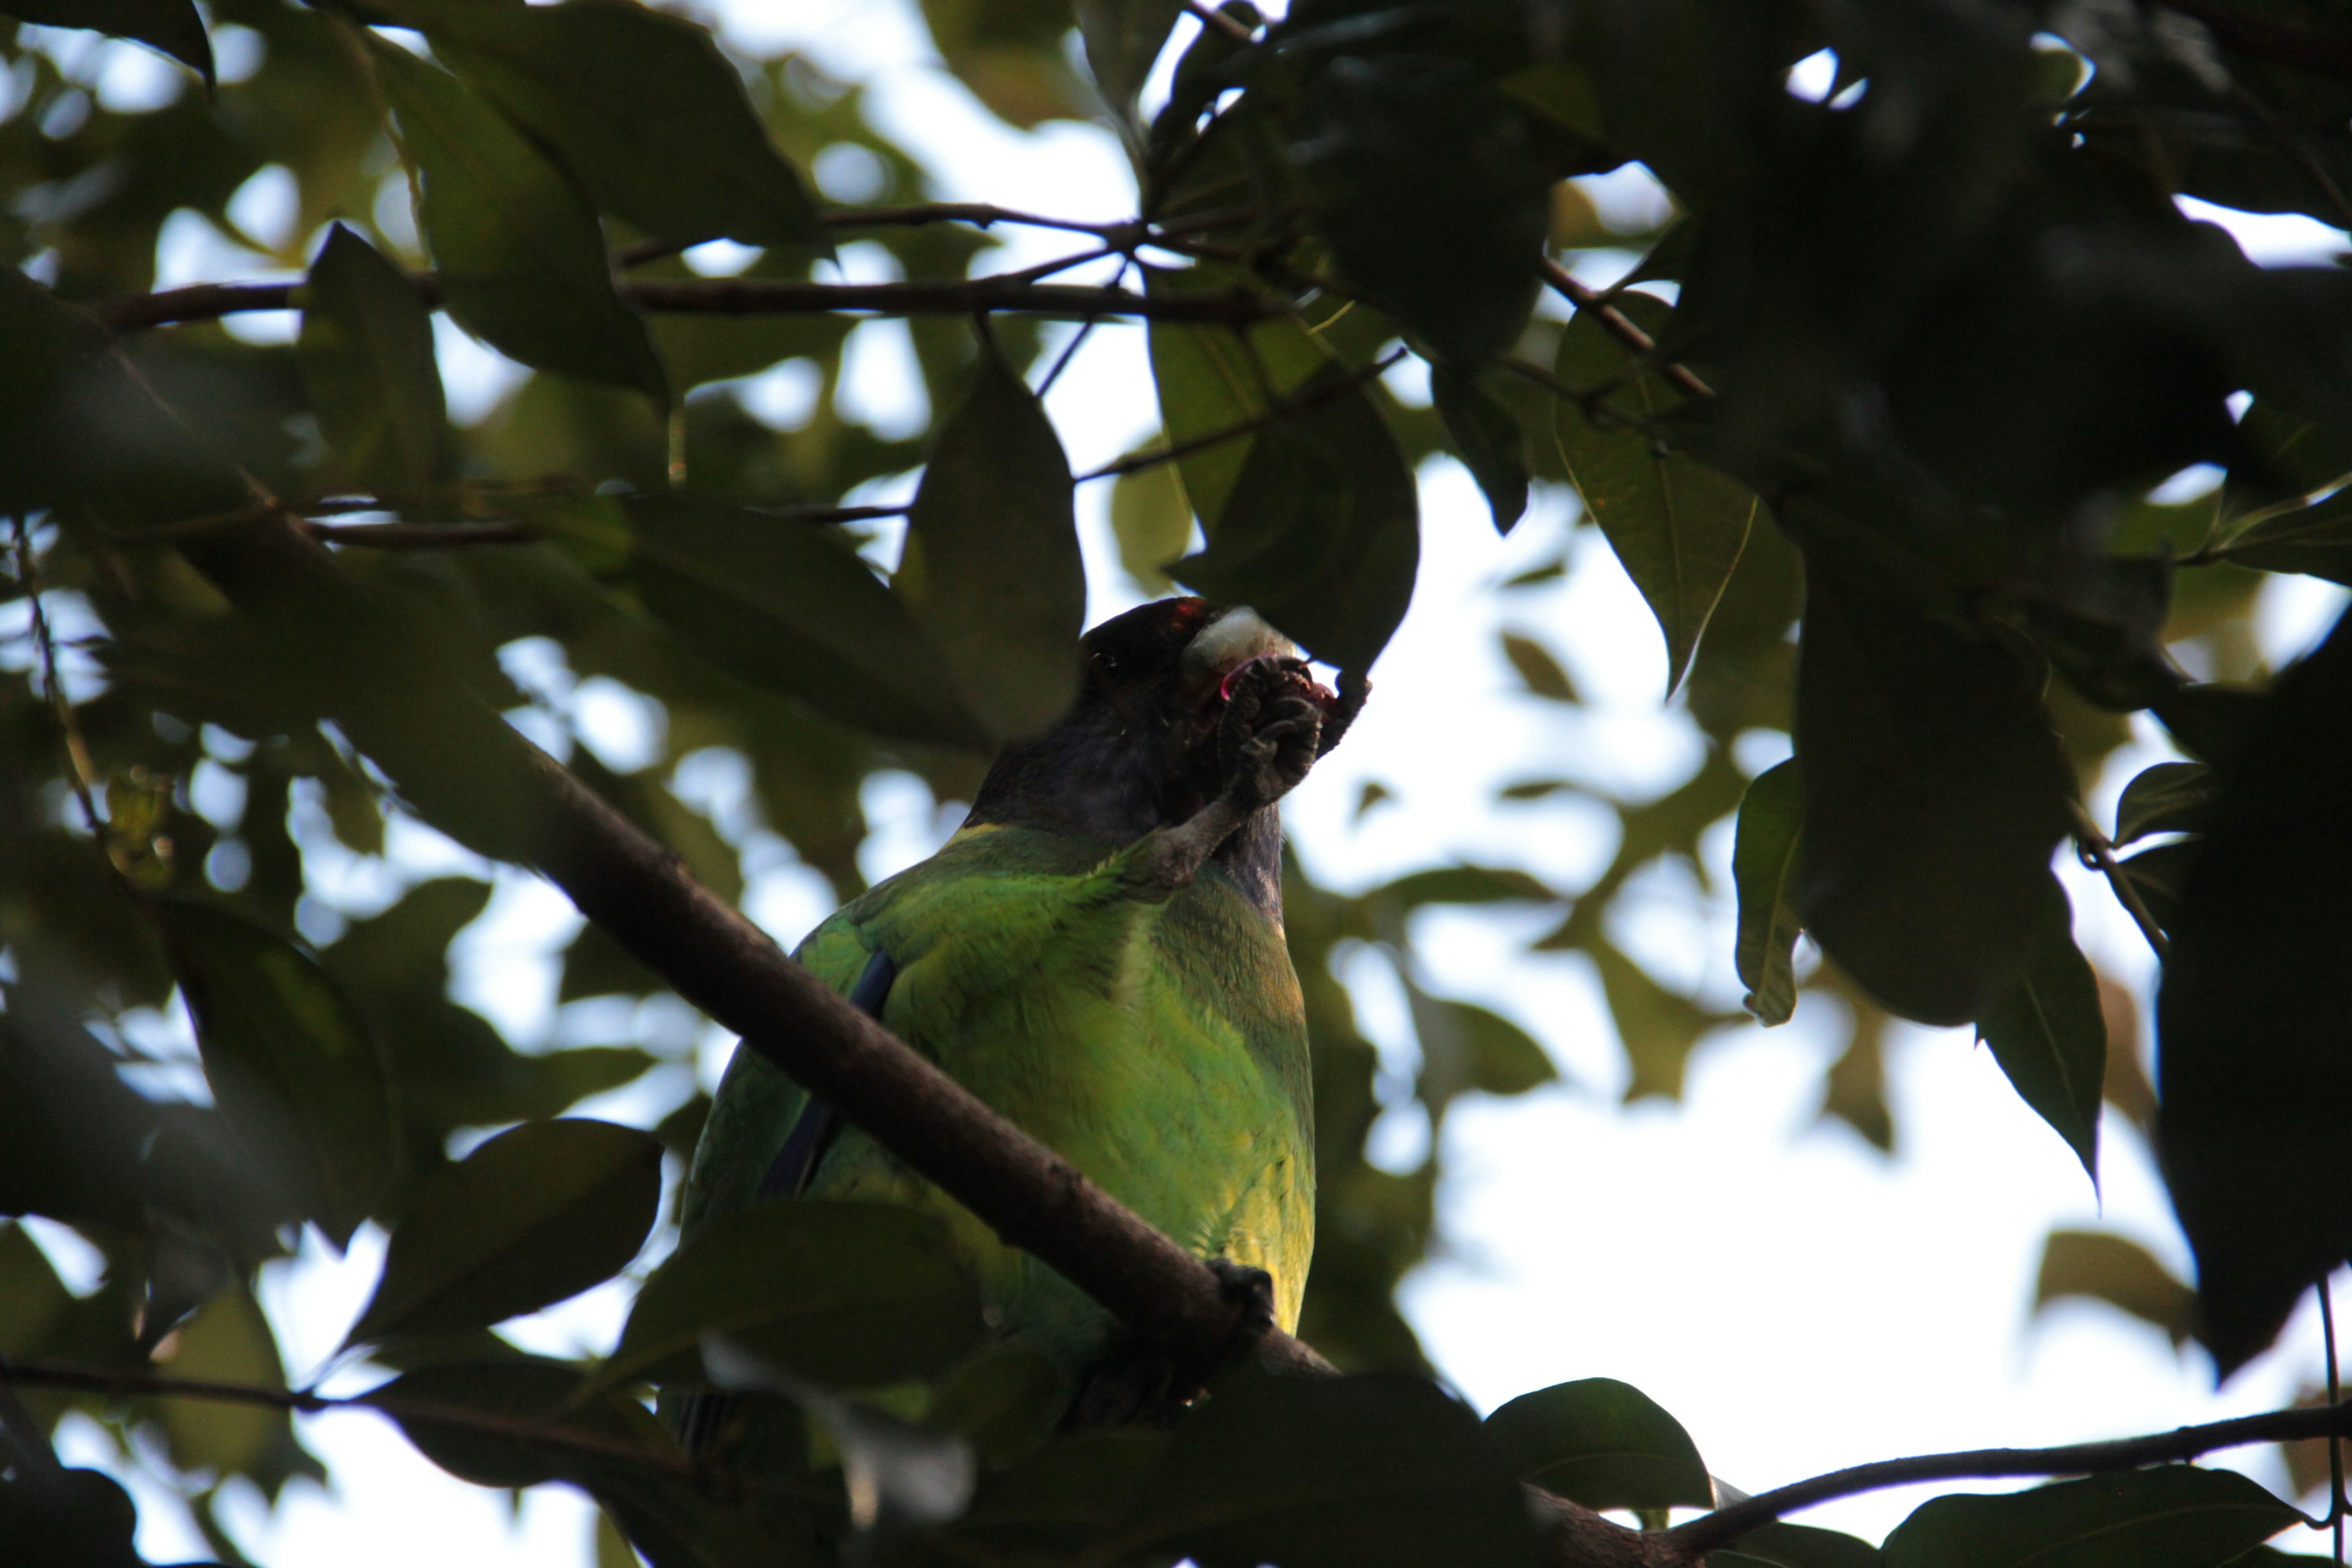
pixel 1465 1047
pixel 1123 39
pixel 1007 1400
pixel 2316 541
pixel 790 607
pixel 1604 1444
pixel 1462 885
pixel 1152 522
pixel 2173 1516
pixel 1009 53
pixel 367 358
pixel 227 1341
pixel 1322 534
pixel 992 568
pixel 1382 1471
pixel 516 250
pixel 1677 525
pixel 1216 379
pixel 2169 797
pixel 2255 1082
pixel 551 1393
pixel 1764 869
pixel 174 27
pixel 1935 795
pixel 1658 1027
pixel 288 1062
pixel 2101 1267
pixel 537 1214
pixel 2049 1034
pixel 1426 185
pixel 846 1294
pixel 1487 438
pixel 641 108
pixel 1539 669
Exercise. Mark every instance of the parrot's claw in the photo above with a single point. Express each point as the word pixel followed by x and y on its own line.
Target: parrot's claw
pixel 1270 734
pixel 1251 1290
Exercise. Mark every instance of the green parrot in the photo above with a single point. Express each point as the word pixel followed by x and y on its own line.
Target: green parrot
pixel 1144 1022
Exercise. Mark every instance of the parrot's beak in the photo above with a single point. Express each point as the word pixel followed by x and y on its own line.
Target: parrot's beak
pixel 1221 650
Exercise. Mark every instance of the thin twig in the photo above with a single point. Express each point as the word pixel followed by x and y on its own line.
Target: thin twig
pixel 1618 324
pixel 2103 856
pixel 1210 17
pixel 1720 1529
pixel 757 297
pixel 1316 399
pixel 144 1385
pixel 82 775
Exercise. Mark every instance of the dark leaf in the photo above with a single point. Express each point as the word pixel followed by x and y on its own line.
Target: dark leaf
pixel 1803 1546
pixel 2169 797
pixel 535 1215
pixel 1487 437
pixel 641 108
pixel 1215 379
pixel 1539 669
pixel 845 1294
pixel 1677 526
pixel 289 1062
pixel 2101 1267
pixel 791 607
pixel 69 1519
pixel 991 567
pixel 1426 182
pixel 2049 1033
pixel 2173 1516
pixel 552 1394
pixel 516 249
pixel 1764 859
pixel 367 359
pixel 1123 39
pixel 2316 541
pixel 2213 723
pixel 173 26
pixel 2159 876
pixel 1382 1471
pixel 1604 1444
pixel 1153 523
pixel 1934 794
pixel 1322 534
pixel 2254 1018
pixel 1007 1400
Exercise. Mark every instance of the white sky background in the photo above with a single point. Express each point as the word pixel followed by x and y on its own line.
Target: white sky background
pixel 1800 1301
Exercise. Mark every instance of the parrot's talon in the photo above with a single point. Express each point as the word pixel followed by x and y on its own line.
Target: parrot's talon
pixel 1251 1291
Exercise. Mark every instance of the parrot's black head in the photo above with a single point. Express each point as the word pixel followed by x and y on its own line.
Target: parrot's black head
pixel 1138 750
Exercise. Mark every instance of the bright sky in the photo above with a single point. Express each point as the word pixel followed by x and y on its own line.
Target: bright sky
pixel 1800 1301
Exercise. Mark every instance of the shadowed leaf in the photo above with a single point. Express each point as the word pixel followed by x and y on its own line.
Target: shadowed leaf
pixel 2173 1516
pixel 1764 869
pixel 367 359
pixel 2050 1034
pixel 2170 797
pixel 288 1060
pixel 991 567
pixel 2254 1018
pixel 1604 1444
pixel 174 27
pixel 845 1294
pixel 641 108
pixel 1677 526
pixel 537 1214
pixel 516 249
pixel 1487 438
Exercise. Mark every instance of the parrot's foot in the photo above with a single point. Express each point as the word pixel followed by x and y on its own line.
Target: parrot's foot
pixel 1268 738
pixel 1251 1290
pixel 1353 689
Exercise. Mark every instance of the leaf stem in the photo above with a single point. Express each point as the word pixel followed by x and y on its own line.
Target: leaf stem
pixel 1618 324
pixel 2102 854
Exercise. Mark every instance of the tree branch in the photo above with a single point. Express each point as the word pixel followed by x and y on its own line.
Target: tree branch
pixel 1316 399
pixel 1726 1525
pixel 1618 324
pixel 757 297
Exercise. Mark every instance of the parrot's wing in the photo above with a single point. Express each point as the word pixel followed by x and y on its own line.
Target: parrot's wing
pixel 700 1416
pixel 796 1161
